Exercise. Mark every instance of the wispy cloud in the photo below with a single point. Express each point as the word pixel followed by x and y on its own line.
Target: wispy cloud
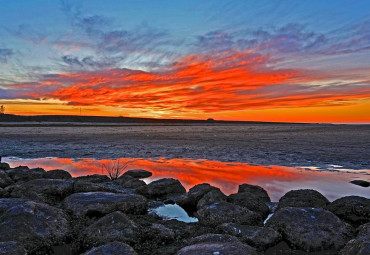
pixel 5 54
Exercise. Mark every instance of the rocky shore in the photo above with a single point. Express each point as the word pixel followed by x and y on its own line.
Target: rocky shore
pixel 49 212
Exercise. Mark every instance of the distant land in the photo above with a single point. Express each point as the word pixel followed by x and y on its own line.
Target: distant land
pixel 63 119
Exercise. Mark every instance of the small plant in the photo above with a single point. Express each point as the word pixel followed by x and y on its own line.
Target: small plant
pixel 114 171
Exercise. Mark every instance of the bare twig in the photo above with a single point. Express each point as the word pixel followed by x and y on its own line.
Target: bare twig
pixel 114 171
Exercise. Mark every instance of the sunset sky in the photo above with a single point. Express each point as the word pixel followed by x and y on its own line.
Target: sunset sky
pixel 305 61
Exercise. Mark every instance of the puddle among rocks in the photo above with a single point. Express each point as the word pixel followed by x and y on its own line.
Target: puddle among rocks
pixel 172 211
pixel 276 180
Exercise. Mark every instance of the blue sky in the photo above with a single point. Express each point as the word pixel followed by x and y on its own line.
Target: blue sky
pixel 329 41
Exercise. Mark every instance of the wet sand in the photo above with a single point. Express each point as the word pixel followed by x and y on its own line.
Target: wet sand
pixel 262 144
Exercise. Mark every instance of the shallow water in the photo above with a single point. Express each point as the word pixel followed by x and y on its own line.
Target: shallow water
pixel 277 180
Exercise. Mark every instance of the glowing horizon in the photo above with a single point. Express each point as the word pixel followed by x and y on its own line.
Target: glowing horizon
pixel 244 61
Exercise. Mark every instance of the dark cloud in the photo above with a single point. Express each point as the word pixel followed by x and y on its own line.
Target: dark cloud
pixel 5 54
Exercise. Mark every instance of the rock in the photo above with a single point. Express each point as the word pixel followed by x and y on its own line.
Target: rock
pixel 162 233
pixel 257 191
pixel 310 229
pixel 127 181
pixel 32 224
pixel 162 188
pixel 137 173
pixel 23 173
pixel 5 180
pixel 259 237
pixel 250 201
pixel 113 248
pixel 353 209
pixel 49 191
pixel 11 248
pixel 57 174
pixel 85 186
pixel 190 201
pixel 211 197
pixel 4 166
pixel 223 212
pixel 115 226
pixel 303 198
pixel 361 183
pixel 361 244
pixel 214 244
pixel 96 178
pixel 3 193
pixel 101 203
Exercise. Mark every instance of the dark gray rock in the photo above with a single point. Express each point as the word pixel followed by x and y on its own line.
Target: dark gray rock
pixel 23 173
pixel 353 209
pixel 256 190
pixel 214 244
pixel 86 186
pixel 5 180
pixel 49 191
pixel 303 198
pixel 32 224
pixel 96 178
pixel 361 183
pixel 250 201
pixel 223 212
pixel 115 226
pixel 57 174
pixel 11 248
pixel 162 233
pixel 101 203
pixel 4 166
pixel 211 197
pixel 137 173
pixel 162 188
pixel 127 181
pixel 190 201
pixel 113 248
pixel 4 193
pixel 310 229
pixel 258 237
pixel 361 244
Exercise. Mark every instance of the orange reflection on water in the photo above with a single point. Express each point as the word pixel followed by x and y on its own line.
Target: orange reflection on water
pixel 277 180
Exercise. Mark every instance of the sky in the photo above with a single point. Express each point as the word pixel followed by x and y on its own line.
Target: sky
pixel 301 61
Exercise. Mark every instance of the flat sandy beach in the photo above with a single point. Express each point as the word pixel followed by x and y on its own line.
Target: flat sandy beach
pixel 263 144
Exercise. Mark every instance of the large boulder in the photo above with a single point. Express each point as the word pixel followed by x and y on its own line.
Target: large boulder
pixel 86 186
pixel 32 224
pixel 256 190
pixel 97 178
pixel 5 180
pixel 190 201
pixel 113 248
pixel 49 191
pixel 57 174
pixel 310 229
pixel 115 226
pixel 3 193
pixel 353 209
pixel 250 201
pixel 101 203
pixel 211 197
pixel 12 248
pixel 259 237
pixel 303 198
pixel 216 244
pixel 127 181
pixel 23 173
pixel 162 188
pixel 223 212
pixel 137 173
pixel 361 244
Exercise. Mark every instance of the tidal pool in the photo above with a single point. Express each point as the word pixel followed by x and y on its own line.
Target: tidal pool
pixel 332 182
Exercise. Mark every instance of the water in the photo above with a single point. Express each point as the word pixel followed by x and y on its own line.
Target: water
pixel 169 212
pixel 277 180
